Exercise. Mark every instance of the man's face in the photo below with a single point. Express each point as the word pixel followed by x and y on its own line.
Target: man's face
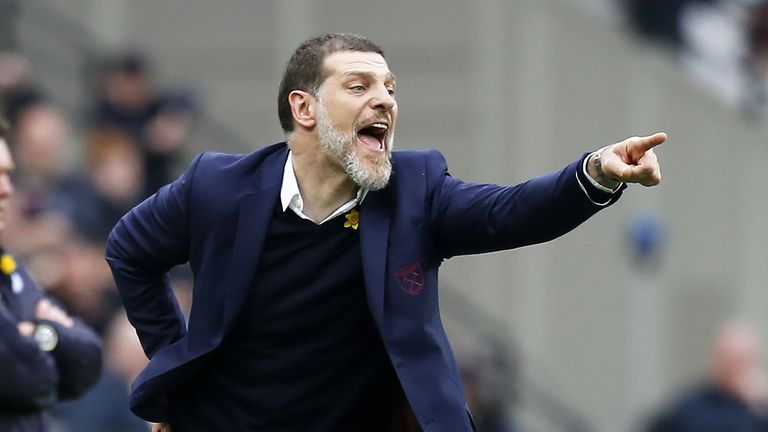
pixel 6 186
pixel 356 115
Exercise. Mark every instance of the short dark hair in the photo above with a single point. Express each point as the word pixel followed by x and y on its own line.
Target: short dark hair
pixel 305 68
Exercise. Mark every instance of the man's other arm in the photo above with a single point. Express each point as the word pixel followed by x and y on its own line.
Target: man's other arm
pixel 146 243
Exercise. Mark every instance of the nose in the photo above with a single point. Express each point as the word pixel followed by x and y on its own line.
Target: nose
pixel 382 100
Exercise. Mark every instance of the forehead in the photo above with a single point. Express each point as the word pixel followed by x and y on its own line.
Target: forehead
pixel 344 63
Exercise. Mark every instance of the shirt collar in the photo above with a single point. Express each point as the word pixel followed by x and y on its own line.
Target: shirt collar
pixel 290 195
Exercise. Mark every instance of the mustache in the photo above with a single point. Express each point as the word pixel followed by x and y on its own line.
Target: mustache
pixel 375 119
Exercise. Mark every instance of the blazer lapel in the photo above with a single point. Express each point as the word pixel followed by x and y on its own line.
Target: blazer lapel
pixel 374 236
pixel 253 223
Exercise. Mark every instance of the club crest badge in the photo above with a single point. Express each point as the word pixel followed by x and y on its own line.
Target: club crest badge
pixel 411 279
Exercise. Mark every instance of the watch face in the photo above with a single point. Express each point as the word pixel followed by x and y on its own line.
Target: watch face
pixel 46 337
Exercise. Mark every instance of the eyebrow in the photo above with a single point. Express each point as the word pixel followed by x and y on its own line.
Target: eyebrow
pixel 389 77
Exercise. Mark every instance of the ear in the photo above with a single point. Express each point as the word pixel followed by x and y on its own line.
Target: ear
pixel 303 108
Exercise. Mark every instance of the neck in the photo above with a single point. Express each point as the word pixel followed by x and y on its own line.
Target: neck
pixel 324 185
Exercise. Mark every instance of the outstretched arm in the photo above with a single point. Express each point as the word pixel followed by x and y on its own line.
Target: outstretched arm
pixel 471 218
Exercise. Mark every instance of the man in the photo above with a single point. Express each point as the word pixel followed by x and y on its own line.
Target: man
pixel 45 354
pixel 315 298
pixel 733 398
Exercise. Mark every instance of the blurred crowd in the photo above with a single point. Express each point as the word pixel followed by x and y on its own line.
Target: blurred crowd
pixel 723 44
pixel 76 174
pixel 732 396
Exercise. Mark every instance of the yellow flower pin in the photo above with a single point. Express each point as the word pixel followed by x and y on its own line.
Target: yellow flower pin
pixel 7 264
pixel 353 219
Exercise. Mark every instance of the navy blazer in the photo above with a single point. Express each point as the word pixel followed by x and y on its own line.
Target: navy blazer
pixel 216 216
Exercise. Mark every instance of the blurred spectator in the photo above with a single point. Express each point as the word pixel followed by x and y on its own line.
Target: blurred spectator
pixel 723 44
pixel 756 61
pixel 39 146
pixel 757 36
pixel 164 139
pixel 160 124
pixel 112 184
pixel 126 99
pixel 105 408
pixel 39 143
pixel 46 354
pixel 716 47
pixel 17 92
pixel 658 20
pixel 485 374
pixel 733 398
pixel 84 283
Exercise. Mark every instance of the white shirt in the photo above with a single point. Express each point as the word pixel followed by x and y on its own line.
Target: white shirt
pixel 290 195
pixel 594 182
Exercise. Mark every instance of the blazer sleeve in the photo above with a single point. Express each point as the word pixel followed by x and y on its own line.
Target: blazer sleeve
pixel 471 218
pixel 78 358
pixel 146 243
pixel 29 377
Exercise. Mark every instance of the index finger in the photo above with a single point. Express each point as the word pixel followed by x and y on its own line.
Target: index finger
pixel 643 144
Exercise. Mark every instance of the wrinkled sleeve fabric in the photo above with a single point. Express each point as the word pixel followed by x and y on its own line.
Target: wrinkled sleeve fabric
pixel 146 243
pixel 29 377
pixel 78 358
pixel 471 218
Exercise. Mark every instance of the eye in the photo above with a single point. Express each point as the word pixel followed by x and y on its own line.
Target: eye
pixel 357 88
pixel 391 91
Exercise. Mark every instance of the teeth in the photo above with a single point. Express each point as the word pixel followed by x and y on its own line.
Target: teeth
pixel 379 125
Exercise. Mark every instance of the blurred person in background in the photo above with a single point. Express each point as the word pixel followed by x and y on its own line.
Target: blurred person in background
pixel 126 98
pixel 84 284
pixel 16 88
pixel 756 61
pixel 315 260
pixel 733 398
pixel 46 355
pixel 111 184
pixel 158 123
pixel 658 20
pixel 105 407
pixel 39 143
pixel 165 138
pixel 489 385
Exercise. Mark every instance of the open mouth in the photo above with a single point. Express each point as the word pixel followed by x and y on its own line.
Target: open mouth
pixel 373 136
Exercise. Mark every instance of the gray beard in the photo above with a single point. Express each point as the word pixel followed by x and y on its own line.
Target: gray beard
pixel 341 146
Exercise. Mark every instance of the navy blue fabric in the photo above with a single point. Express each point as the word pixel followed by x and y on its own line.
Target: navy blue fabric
pixel 709 409
pixel 32 380
pixel 301 332
pixel 216 216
